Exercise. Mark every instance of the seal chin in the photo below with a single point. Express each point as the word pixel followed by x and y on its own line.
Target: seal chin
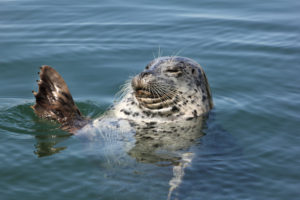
pixel 150 94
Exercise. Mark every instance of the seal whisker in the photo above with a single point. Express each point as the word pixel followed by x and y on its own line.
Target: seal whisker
pixel 160 97
pixel 125 89
pixel 165 90
pixel 156 94
pixel 165 95
pixel 159 91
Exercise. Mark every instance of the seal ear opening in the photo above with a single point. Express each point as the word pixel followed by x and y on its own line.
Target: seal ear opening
pixel 54 101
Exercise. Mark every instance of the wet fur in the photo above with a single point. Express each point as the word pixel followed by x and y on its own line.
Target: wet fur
pixel 54 101
pixel 169 89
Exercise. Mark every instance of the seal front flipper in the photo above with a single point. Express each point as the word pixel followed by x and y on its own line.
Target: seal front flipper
pixel 54 101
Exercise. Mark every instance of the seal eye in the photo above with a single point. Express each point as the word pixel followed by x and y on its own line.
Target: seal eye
pixel 174 71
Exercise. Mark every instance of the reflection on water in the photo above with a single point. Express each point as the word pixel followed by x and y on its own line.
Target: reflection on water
pixel 46 145
pixel 21 119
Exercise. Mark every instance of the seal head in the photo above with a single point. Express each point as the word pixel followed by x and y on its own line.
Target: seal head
pixel 169 87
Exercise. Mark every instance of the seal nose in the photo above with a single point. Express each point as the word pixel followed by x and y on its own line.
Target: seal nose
pixel 145 73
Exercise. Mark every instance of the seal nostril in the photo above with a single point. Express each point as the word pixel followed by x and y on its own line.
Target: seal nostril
pixel 143 74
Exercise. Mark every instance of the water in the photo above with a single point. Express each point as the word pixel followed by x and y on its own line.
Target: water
pixel 249 50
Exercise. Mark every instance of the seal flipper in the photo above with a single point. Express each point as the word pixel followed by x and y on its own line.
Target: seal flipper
pixel 54 101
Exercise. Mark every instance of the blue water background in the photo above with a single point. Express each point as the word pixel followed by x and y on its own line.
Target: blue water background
pixel 250 51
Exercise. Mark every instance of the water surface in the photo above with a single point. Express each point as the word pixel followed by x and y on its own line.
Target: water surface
pixel 249 50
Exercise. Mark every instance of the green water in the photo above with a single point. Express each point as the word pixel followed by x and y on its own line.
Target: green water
pixel 249 50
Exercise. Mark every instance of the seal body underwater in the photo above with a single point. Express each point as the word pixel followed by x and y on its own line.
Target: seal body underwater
pixel 170 89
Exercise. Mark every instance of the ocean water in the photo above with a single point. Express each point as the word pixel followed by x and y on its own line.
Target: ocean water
pixel 250 51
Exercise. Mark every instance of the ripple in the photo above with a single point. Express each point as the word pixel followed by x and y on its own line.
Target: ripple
pixel 22 120
pixel 250 51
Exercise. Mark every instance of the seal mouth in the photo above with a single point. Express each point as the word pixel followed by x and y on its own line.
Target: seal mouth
pixel 154 101
pixel 143 93
pixel 154 96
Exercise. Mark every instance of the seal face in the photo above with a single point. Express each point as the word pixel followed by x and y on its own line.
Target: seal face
pixel 170 88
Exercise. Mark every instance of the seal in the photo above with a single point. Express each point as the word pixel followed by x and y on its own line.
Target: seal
pixel 169 89
pixel 161 110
